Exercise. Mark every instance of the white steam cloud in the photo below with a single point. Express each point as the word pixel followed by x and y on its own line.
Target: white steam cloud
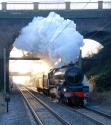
pixel 52 38
pixel 90 47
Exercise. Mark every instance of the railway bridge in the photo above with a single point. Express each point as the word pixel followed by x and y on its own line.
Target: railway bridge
pixel 91 23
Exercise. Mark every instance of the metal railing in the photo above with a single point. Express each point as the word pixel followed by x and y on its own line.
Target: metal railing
pixel 54 5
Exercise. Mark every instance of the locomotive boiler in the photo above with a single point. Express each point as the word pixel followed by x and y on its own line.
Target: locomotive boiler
pixel 65 83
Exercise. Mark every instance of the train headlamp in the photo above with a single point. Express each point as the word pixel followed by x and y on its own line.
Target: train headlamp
pixel 64 89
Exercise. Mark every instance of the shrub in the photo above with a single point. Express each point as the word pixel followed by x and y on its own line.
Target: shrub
pixel 104 81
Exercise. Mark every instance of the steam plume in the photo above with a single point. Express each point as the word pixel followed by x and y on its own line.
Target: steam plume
pixel 52 38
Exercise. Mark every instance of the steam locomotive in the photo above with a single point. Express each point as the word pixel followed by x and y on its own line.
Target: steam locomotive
pixel 65 83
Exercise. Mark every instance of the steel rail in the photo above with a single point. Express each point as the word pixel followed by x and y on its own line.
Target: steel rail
pixel 98 112
pixel 47 107
pixel 37 119
pixel 90 109
pixel 90 118
pixel 50 109
pixel 85 116
pixel 72 109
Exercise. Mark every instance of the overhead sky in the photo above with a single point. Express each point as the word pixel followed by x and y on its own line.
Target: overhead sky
pixel 51 0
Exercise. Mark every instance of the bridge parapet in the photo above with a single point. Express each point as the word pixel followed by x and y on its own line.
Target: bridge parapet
pixel 54 5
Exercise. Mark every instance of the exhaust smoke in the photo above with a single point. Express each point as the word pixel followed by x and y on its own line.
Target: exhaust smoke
pixel 53 38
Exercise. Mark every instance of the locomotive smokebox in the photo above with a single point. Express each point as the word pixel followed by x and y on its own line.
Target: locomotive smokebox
pixel 74 75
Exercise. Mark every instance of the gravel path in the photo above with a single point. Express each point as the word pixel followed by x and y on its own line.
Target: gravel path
pixel 18 114
pixel 2 104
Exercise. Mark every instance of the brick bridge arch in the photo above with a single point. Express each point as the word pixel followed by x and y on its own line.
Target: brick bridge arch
pixel 92 24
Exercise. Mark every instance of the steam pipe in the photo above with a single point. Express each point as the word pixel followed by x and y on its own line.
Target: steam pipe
pixel 80 59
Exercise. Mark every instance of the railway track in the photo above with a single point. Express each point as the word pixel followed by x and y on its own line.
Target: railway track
pixel 42 113
pixel 98 112
pixel 94 117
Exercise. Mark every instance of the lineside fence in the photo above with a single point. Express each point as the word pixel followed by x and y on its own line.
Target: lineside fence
pixel 54 5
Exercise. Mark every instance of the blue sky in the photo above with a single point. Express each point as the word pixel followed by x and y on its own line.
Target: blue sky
pixel 88 6
pixel 52 0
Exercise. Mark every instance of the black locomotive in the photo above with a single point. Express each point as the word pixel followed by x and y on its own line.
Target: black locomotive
pixel 65 83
